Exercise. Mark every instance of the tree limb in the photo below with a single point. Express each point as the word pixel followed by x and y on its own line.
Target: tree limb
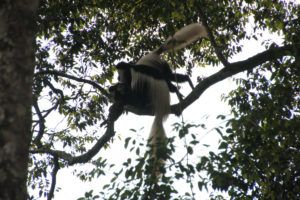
pixel 234 68
pixel 53 175
pixel 114 112
pixel 58 73
pixel 230 70
pixel 41 122
pixel 55 90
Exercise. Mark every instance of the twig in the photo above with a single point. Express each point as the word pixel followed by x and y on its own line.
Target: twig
pixel 211 37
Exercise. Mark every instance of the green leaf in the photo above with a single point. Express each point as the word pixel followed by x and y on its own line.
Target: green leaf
pixel 190 150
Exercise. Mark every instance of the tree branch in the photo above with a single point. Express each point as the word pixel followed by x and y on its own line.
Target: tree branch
pixel 58 73
pixel 114 113
pixel 230 70
pixel 41 122
pixel 234 68
pixel 53 175
pixel 55 90
pixel 48 111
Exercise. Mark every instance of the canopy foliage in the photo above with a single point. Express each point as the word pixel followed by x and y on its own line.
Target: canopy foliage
pixel 78 44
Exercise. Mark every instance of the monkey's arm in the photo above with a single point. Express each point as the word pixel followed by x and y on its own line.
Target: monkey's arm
pixel 164 72
pixel 173 89
pixel 180 78
pixel 148 70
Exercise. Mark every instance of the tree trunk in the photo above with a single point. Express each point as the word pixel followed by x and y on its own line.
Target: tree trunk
pixel 17 40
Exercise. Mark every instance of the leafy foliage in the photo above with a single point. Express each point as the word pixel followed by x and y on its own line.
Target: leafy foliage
pixel 260 151
pixel 80 41
pixel 135 180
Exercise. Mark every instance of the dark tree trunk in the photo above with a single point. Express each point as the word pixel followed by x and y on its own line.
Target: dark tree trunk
pixel 17 39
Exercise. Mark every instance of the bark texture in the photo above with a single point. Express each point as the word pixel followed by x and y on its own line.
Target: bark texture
pixel 17 40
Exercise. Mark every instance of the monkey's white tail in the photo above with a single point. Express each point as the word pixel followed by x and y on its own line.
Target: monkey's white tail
pixel 157 134
pixel 179 40
pixel 157 138
pixel 158 145
pixel 183 37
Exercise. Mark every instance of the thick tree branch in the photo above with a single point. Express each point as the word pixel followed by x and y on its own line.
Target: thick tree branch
pixel 58 73
pixel 234 68
pixel 114 113
pixel 230 70
pixel 41 120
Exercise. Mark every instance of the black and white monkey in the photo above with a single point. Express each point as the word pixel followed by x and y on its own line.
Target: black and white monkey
pixel 150 79
pixel 160 72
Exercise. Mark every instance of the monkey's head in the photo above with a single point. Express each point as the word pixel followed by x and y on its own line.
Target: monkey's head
pixel 123 65
pixel 124 73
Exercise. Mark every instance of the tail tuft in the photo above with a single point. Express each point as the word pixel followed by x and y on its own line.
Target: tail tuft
pixel 158 146
pixel 183 37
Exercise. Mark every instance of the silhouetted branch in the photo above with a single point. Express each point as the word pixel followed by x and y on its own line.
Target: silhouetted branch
pixel 41 122
pixel 48 111
pixel 114 113
pixel 55 90
pixel 234 68
pixel 58 73
pixel 53 176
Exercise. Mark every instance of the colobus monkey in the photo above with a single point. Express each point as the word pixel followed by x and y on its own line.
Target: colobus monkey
pixel 162 72
pixel 150 79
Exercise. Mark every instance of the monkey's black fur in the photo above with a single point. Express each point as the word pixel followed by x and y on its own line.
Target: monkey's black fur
pixel 163 72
